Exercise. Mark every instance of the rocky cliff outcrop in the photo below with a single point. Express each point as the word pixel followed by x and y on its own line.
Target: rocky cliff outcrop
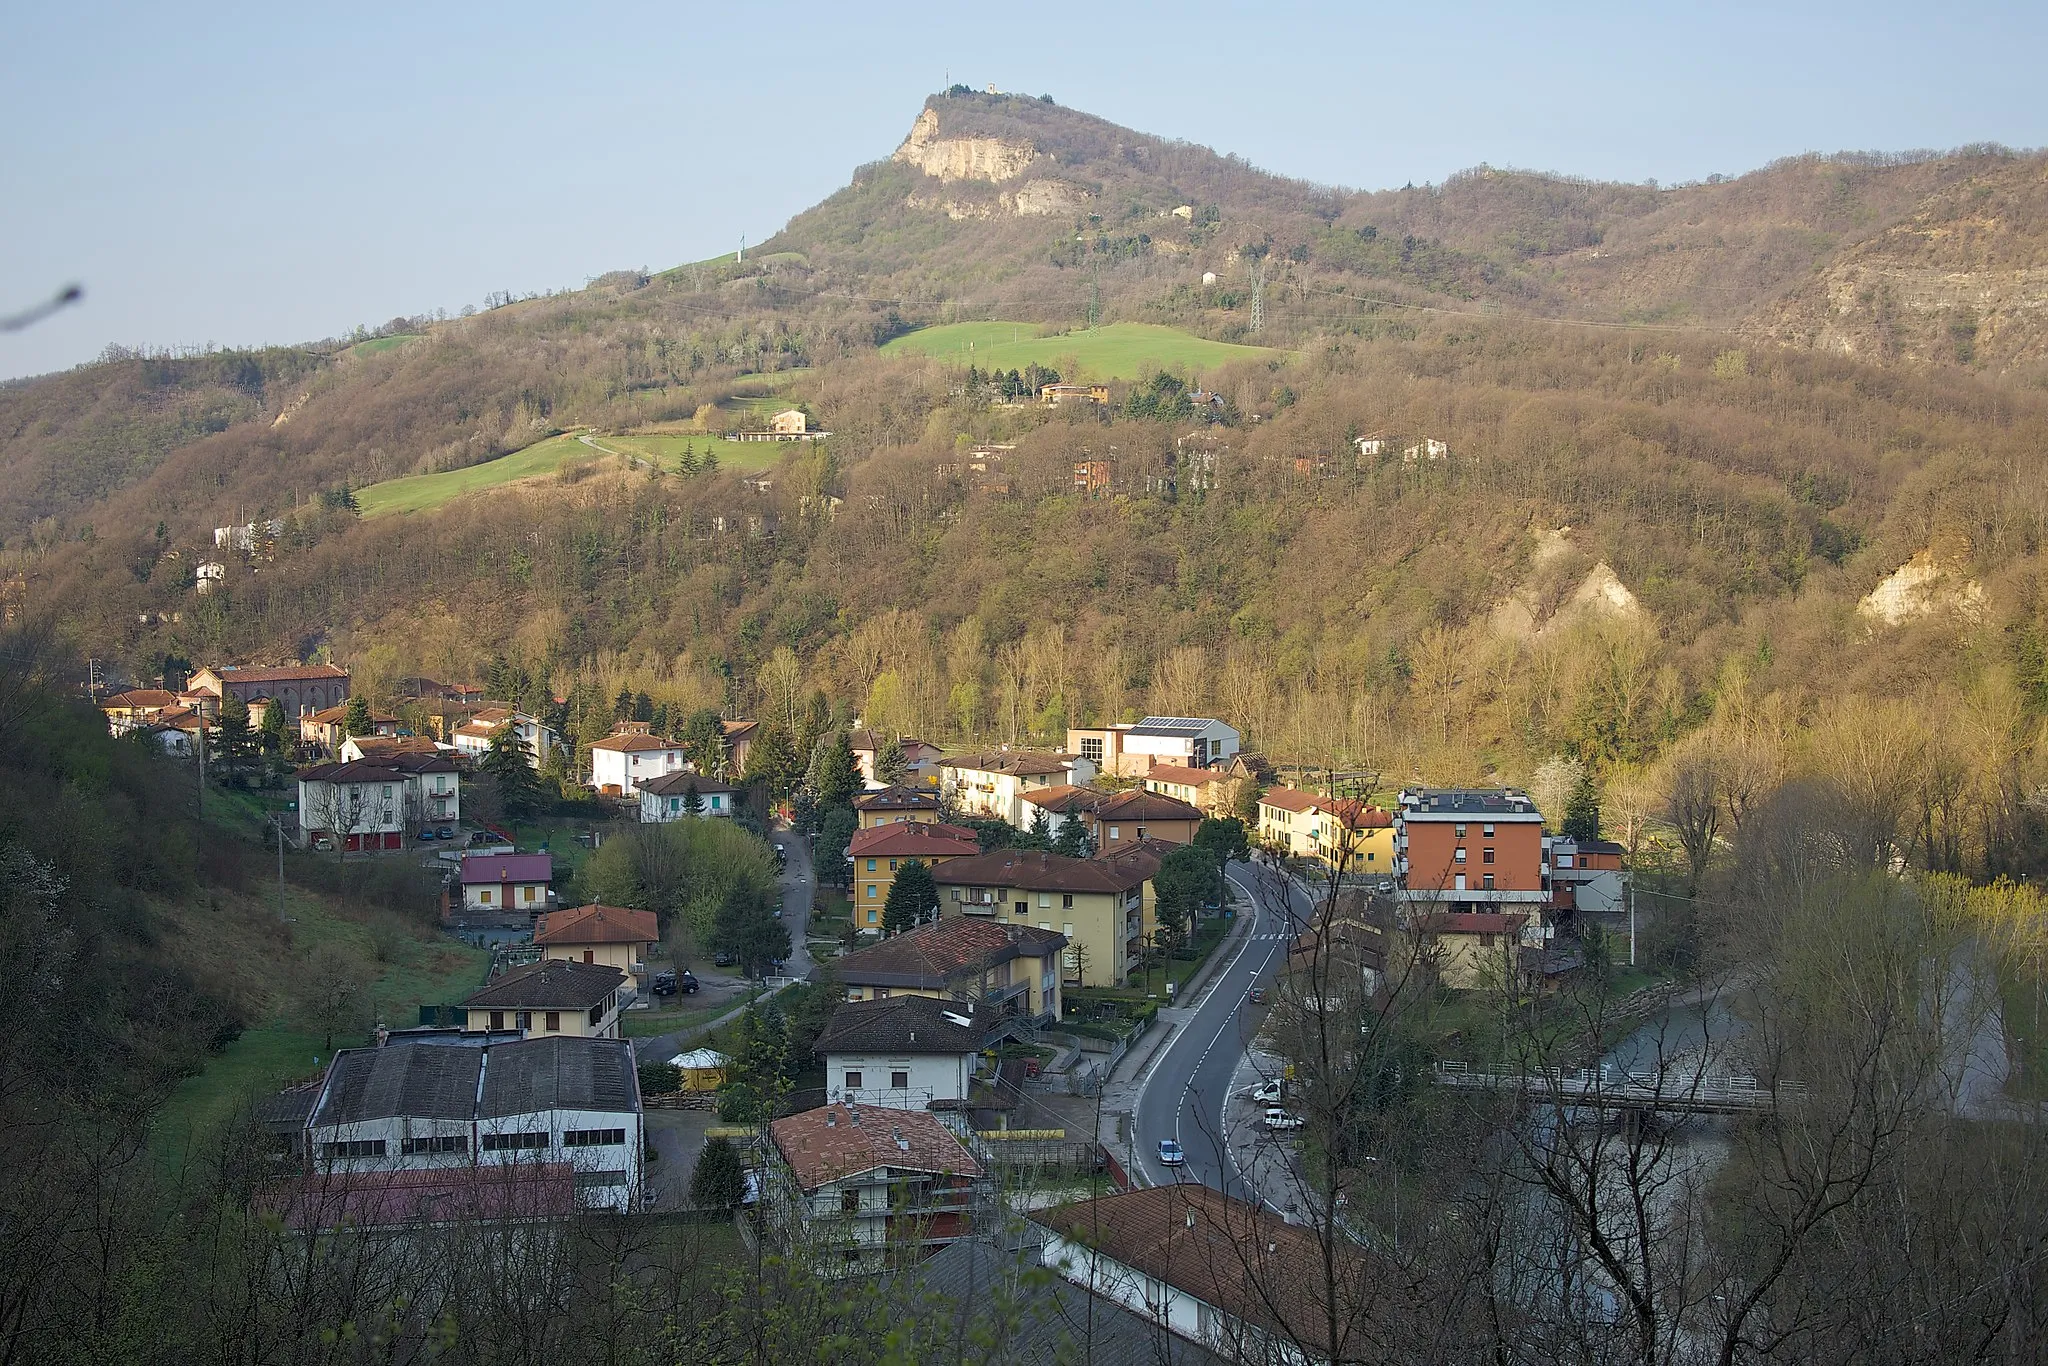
pixel 949 159
pixel 1922 587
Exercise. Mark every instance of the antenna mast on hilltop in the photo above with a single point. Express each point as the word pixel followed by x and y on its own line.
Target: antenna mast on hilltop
pixel 743 250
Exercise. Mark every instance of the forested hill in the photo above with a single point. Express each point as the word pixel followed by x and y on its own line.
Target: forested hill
pixel 1668 443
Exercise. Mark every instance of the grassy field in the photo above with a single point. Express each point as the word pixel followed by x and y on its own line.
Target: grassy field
pixel 1119 351
pixel 378 345
pixel 423 492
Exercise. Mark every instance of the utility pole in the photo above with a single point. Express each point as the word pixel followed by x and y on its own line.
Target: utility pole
pixel 1259 298
pixel 277 824
pixel 201 751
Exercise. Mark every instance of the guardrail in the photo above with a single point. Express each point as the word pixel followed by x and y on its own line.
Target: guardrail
pixel 1611 1088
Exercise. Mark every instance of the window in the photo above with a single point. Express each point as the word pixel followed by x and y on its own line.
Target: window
pixel 1115 832
pixel 871 865
pixel 1486 855
pixel 1486 830
pixel 387 792
pixel 483 898
pixel 497 1019
pixel 853 1081
pixel 435 1143
pixel 354 1147
pixel 1459 857
pixel 1486 881
pixel 590 955
pixel 1066 901
pixel 899 1081
pixel 523 1019
pixel 511 1143
pixel 599 1180
pixel 871 891
pixel 1141 832
pixel 849 1202
pixel 1091 750
pixel 1461 832
pixel 594 1138
pixel 554 1022
pixel 1020 910
pixel 596 1016
pixel 871 911
pixel 529 891
pixel 1045 898
pixel 1458 884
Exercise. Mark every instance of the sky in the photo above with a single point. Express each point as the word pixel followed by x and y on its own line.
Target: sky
pixel 242 175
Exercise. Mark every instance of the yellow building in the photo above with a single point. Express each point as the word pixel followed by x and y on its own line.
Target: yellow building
pixel 611 935
pixel 1305 825
pixel 895 805
pixel 1013 968
pixel 878 852
pixel 551 998
pixel 1103 906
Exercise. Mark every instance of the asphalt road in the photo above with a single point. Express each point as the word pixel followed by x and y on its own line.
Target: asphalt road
pixel 798 886
pixel 1183 1096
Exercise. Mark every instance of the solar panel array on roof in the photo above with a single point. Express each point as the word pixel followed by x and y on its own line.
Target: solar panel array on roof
pixel 1173 725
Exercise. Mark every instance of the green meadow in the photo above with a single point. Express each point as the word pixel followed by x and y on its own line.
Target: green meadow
pixel 1118 351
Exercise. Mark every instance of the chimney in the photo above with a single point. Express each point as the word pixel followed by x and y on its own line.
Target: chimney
pixel 831 1120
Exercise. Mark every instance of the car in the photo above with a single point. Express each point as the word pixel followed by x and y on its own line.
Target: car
pixel 445 832
pixel 1258 996
pixel 664 984
pixel 724 960
pixel 479 837
pixel 1277 1118
pixel 1170 1154
pixel 685 982
pixel 1267 1093
pixel 426 835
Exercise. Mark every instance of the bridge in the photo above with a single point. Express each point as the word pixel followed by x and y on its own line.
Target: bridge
pixel 1674 1091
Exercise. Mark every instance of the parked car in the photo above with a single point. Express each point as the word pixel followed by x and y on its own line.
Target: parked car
pixel 479 837
pixel 1170 1154
pixel 429 834
pixel 445 832
pixel 724 960
pixel 664 984
pixel 685 983
pixel 1277 1118
pixel 1267 1093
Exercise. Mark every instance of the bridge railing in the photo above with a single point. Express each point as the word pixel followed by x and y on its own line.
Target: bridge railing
pixel 1671 1086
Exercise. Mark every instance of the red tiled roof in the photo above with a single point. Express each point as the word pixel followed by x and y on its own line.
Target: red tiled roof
pixel 1039 871
pixel 141 697
pixel 913 839
pixel 634 742
pixel 837 1141
pixel 595 924
pixel 934 954
pixel 1186 777
pixel 441 1195
pixel 1287 799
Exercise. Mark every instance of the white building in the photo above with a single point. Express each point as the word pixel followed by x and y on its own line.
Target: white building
pixel 994 784
pixel 560 1115
pixel 667 798
pixel 625 758
pixel 1132 751
pixel 507 882
pixel 375 804
pixel 904 1052
pixel 473 737
pixel 860 1189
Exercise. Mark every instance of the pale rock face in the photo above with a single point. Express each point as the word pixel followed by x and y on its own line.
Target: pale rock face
pixel 1040 197
pixel 949 159
pixel 1922 587
pixel 1600 595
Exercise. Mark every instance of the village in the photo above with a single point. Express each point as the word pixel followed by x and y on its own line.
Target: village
pixel 990 949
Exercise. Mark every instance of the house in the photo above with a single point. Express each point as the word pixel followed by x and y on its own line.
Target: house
pixel 1214 1271
pixel 382 748
pixel 176 733
pixel 1370 447
pixel 1091 477
pixel 552 1117
pixel 788 425
pixel 1346 935
pixel 327 728
pixel 301 688
pixel 1429 448
pixel 1132 751
pixel 739 742
pixel 1101 905
pixel 1586 875
pixel 1040 1315
pixel 473 737
pixel 207 575
pixel 1470 850
pixel 507 882
pixel 629 755
pixel 137 707
pixel 879 851
pixel 1308 825
pixel 994 784
pixel 1115 818
pixel 667 798
pixel 1054 395
pixel 365 805
pixel 894 804
pixel 1011 970
pixel 611 935
pixel 1470 950
pixel 905 1052
pixel 552 997
pixel 920 757
pixel 862 1190
pixel 1213 790
pixel 1196 458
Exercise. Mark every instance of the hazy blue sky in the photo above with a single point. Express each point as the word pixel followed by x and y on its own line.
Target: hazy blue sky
pixel 276 173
